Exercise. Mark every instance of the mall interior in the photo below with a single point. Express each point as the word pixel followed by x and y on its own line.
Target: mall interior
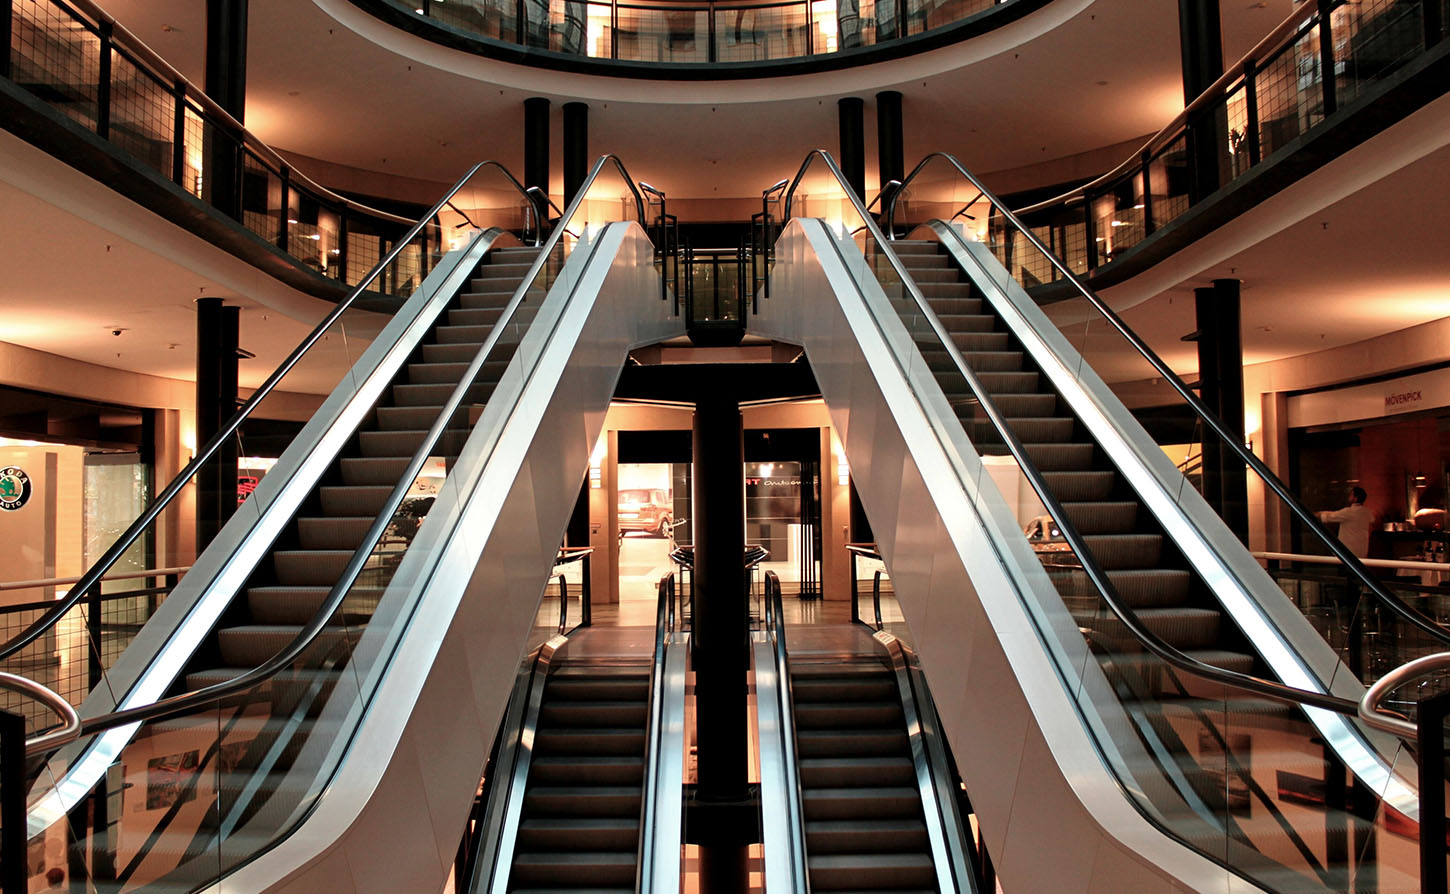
pixel 392 387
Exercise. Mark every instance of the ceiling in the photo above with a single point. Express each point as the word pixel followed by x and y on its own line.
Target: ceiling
pixel 319 88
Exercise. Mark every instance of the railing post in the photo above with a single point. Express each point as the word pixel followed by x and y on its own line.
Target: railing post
pixel 178 136
pixel 614 29
pixel 103 83
pixel 1090 230
pixel 95 670
pixel 1326 58
pixel 714 53
pixel 1148 225
pixel 12 804
pixel 7 25
pixel 1431 759
pixel 855 593
pixel 1251 111
pixel 342 246
pixel 586 596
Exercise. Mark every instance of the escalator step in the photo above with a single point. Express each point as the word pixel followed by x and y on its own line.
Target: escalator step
pixel 407 418
pixel 579 834
pixel 955 323
pixel 373 469
pixel 1090 485
pixel 1015 406
pixel 867 835
pixel 435 394
pixel 355 499
pixel 841 772
pixel 623 688
pixel 836 743
pixel 1140 587
pixel 904 247
pixel 464 352
pixel 861 802
pixel 847 715
pixel 951 297
pixel 249 645
pixel 872 872
pixel 573 868
pixel 503 268
pixel 978 361
pixel 333 532
pixel 297 605
pixel 587 770
pixel 309 567
pixel 946 273
pixel 1185 628
pixel 1125 550
pixel 475 316
pixel 1029 430
pixel 836 690
pixel 589 741
pixel 1102 516
pixel 1008 382
pixel 593 714
pixel 406 443
pixel 1060 457
pixel 582 801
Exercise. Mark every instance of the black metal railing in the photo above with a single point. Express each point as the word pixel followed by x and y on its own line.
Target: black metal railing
pixel 75 58
pixel 1314 65
pixel 691 34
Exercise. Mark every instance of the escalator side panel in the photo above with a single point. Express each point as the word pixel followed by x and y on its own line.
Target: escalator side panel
pixel 1032 767
pixel 394 810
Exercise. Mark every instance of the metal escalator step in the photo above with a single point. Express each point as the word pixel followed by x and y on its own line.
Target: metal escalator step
pixel 587 770
pixel 1102 516
pixel 844 743
pixel 1223 658
pixel 916 247
pixel 373 469
pixel 496 293
pixel 579 834
pixel 1115 551
pixel 968 322
pixel 589 741
pixel 982 341
pixel 582 800
pixel 407 418
pixel 866 836
pixel 573 868
pixel 333 532
pixel 249 645
pixel 354 499
pixel 503 268
pixel 475 316
pixel 950 297
pixel 835 690
pixel 309 567
pixel 842 772
pixel 282 690
pixel 1015 406
pixel 1086 485
pixel 406 443
pixel 863 802
pixel 464 352
pixel 1060 457
pixel 847 715
pixel 945 273
pixel 873 871
pixel 1008 382
pixel 978 361
pixel 1185 628
pixel 1028 429
pixel 593 714
pixel 462 335
pixel 632 687
pixel 435 394
pixel 1140 587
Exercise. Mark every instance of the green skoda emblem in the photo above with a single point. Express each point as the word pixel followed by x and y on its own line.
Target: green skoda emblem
pixel 14 488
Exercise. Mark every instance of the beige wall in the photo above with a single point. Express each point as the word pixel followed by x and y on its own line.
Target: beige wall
pixel 44 538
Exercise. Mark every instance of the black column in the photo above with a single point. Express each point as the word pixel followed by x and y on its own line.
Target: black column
pixel 226 83
pixel 721 628
pixel 576 148
pixel 1201 44
pixel 890 142
pixel 1221 386
pixel 536 142
pixel 216 401
pixel 853 142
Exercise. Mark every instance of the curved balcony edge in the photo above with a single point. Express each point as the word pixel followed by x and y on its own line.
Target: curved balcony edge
pixel 404 16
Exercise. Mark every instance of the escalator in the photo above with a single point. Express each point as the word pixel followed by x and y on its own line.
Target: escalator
pixel 1194 685
pixel 585 793
pixel 404 514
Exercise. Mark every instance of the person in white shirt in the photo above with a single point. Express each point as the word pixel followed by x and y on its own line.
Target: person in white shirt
pixel 1354 522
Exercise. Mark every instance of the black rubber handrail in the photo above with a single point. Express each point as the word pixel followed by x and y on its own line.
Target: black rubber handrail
pixel 187 701
pixel 139 526
pixel 1099 578
pixel 1211 421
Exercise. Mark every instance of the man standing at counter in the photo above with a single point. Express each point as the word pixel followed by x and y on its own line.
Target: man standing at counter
pixel 1354 522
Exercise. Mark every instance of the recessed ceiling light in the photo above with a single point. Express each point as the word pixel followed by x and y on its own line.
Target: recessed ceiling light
pixel 1102 83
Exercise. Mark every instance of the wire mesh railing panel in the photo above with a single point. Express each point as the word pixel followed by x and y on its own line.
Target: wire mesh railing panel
pixel 143 115
pixel 56 58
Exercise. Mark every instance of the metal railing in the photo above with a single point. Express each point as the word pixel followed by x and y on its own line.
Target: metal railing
pixel 795 866
pixel 702 33
pixel 15 749
pixel 1275 94
pixel 75 58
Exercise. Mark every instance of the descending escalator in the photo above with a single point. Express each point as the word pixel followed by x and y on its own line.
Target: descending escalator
pixel 1201 691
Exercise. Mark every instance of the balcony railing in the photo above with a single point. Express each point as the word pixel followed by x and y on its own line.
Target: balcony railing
pixel 1314 65
pixel 693 33
pixel 73 57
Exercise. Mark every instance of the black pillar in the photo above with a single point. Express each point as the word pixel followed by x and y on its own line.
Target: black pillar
pixel 1221 386
pixel 216 401
pixel 226 83
pixel 577 534
pixel 576 148
pixel 536 142
pixel 853 142
pixel 1201 45
pixel 721 629
pixel 859 524
pixel 890 142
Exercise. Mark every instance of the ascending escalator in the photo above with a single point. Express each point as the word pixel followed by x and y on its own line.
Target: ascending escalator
pixel 324 624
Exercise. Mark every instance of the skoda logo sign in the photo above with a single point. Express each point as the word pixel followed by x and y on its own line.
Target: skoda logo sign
pixel 14 488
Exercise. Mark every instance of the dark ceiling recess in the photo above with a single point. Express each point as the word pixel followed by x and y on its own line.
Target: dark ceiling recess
pixel 35 416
